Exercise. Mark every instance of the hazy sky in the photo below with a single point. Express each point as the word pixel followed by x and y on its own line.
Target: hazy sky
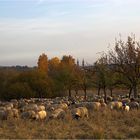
pixel 82 28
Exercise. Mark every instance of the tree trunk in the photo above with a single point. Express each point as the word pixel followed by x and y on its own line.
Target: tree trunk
pixel 99 91
pixel 135 91
pixel 40 95
pixel 105 98
pixel 130 91
pixel 85 90
pixel 69 92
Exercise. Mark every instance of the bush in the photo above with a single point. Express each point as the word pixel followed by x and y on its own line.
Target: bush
pixel 18 90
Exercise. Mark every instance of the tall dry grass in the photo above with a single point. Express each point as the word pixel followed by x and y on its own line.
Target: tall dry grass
pixel 100 125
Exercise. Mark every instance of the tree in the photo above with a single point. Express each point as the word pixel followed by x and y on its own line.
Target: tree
pixel 37 81
pixel 66 72
pixel 18 90
pixel 125 59
pixel 53 65
pixel 83 80
pixel 100 75
pixel 43 63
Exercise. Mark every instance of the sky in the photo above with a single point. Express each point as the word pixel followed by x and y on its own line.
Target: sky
pixel 81 28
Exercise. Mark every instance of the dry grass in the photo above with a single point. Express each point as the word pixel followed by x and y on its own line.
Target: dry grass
pixel 100 125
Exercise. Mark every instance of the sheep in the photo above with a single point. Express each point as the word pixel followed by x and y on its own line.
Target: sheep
pixel 103 105
pixel 58 113
pixel 96 105
pixel 2 108
pixel 134 105
pixel 3 115
pixel 29 115
pixel 9 106
pixel 13 113
pixel 28 107
pixel 41 108
pixel 79 112
pixel 63 106
pixel 14 102
pixel 89 105
pixel 115 105
pixel 41 115
pixel 53 107
pixel 125 108
pixel 109 98
pixel 126 100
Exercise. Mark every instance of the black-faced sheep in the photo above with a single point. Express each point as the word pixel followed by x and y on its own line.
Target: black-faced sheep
pixel 79 112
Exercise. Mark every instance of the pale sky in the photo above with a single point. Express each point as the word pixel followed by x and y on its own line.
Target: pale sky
pixel 81 28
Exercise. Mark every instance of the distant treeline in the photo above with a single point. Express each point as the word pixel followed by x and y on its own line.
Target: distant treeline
pixel 119 67
pixel 17 68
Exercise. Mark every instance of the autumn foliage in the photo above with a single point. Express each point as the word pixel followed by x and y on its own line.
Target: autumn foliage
pixel 118 68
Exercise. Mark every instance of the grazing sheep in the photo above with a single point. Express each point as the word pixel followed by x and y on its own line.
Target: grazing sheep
pixel 3 115
pixel 2 108
pixel 115 105
pixel 9 106
pixel 29 115
pixel 101 100
pixel 134 105
pixel 22 104
pixel 41 115
pixel 89 105
pixel 79 112
pixel 41 108
pixel 63 106
pixel 109 98
pixel 58 113
pixel 50 107
pixel 13 113
pixel 126 100
pixel 53 107
pixel 28 107
pixel 125 108
pixel 14 102
pixel 96 105
pixel 103 105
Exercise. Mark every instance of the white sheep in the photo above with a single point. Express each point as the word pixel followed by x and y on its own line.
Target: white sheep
pixel 41 108
pixel 28 107
pixel 13 113
pixel 63 106
pixel 57 114
pixel 115 105
pixel 41 115
pixel 134 105
pixel 29 115
pixel 3 115
pixel 125 108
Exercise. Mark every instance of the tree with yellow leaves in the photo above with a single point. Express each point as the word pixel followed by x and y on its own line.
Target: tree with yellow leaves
pixel 43 63
pixel 53 64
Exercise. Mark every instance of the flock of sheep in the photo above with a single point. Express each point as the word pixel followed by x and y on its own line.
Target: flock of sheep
pixel 57 108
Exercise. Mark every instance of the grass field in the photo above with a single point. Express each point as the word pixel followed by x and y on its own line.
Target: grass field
pixel 99 125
